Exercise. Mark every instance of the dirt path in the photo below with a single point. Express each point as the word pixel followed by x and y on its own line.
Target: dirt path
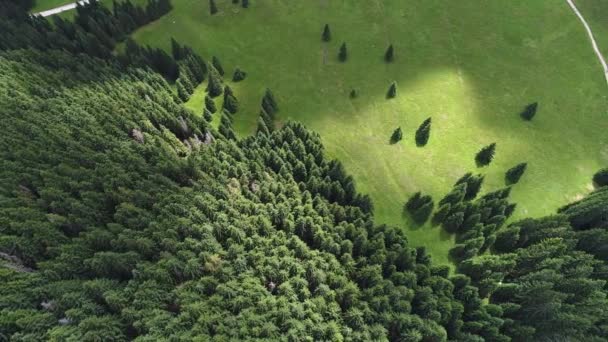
pixel 591 37
pixel 63 8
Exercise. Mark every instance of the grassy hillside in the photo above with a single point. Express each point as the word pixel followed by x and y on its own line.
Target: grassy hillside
pixel 471 66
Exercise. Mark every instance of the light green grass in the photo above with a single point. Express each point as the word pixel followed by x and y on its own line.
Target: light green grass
pixel 471 65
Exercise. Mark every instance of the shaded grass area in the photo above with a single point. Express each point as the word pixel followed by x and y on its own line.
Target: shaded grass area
pixel 472 66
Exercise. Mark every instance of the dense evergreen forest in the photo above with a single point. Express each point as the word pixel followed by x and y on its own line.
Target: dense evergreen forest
pixel 125 216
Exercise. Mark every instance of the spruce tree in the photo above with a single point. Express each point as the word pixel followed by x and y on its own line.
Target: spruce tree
pixel 212 7
pixel 423 133
pixel 176 50
pixel 231 104
pixel 389 55
pixel 182 92
pixel 514 174
pixel 245 3
pixel 326 33
pixel 601 177
pixel 214 87
pixel 235 1
pixel 225 127
pixel 269 104
pixel 207 115
pixel 210 104
pixel 530 111
pixel 262 127
pixel 343 54
pixel 239 75
pixel 392 91
pixel 422 214
pixel 442 213
pixel 217 65
pixel 353 94
pixel 485 155
pixel 396 136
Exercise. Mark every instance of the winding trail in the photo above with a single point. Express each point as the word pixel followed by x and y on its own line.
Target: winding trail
pixel 63 8
pixel 591 37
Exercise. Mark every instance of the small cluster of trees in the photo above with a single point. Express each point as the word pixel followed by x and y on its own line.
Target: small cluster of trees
pixel 422 134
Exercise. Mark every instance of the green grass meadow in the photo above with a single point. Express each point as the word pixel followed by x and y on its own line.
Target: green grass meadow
pixel 470 65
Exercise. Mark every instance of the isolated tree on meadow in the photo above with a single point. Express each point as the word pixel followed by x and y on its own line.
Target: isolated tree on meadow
pixel 217 65
pixel 210 104
pixel 389 55
pixel 212 7
pixel 239 75
pixel 396 136
pixel 485 155
pixel 423 133
pixel 235 1
pixel 343 54
pixel 514 174
pixel 392 91
pixel 326 33
pixel 245 3
pixel 601 177
pixel 530 111
pixel 353 94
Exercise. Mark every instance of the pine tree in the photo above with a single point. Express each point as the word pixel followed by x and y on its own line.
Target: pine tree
pixel 262 127
pixel 396 136
pixel 353 94
pixel 217 65
pixel 245 3
pixel 212 7
pixel 442 213
pixel 239 75
pixel 389 55
pixel 413 202
pixel 269 104
pixel 422 214
pixel 601 177
pixel 210 104
pixel 423 133
pixel 207 115
pixel 225 127
pixel 485 155
pixel 530 111
pixel 231 104
pixel 182 92
pixel 214 87
pixel 392 91
pixel 326 37
pixel 343 54
pixel 514 174
pixel 176 50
